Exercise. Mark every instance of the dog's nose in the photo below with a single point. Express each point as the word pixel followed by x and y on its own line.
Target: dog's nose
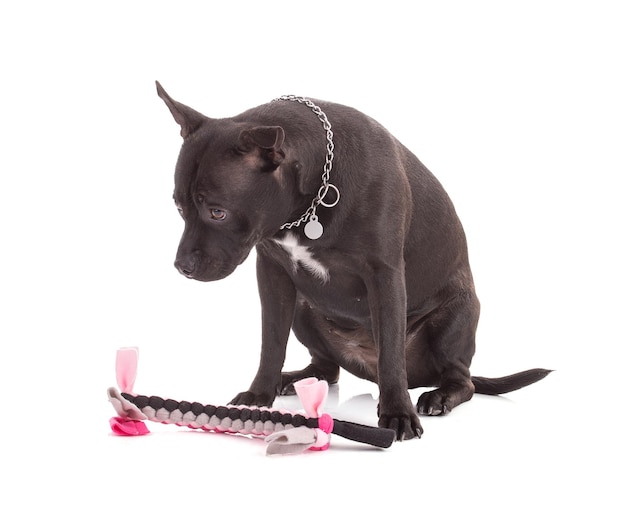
pixel 186 265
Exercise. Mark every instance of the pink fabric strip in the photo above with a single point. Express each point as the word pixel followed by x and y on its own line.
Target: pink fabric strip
pixel 126 368
pixel 127 427
pixel 312 393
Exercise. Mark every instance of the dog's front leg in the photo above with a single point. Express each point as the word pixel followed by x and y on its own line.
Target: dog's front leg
pixel 278 299
pixel 387 298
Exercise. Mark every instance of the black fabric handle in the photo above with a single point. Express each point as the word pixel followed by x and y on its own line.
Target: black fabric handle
pixel 378 437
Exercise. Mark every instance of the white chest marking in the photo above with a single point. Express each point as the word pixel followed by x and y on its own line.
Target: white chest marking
pixel 301 255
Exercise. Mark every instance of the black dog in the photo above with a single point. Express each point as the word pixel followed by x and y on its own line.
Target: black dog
pixel 367 264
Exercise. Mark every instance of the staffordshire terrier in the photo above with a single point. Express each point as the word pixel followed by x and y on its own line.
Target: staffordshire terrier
pixel 359 251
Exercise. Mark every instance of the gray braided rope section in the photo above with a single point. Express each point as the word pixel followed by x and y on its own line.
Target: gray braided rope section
pixel 126 408
pixel 214 423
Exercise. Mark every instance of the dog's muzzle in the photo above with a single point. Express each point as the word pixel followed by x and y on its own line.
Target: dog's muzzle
pixel 196 266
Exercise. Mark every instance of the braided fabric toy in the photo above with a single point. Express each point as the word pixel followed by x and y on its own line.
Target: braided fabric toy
pixel 285 432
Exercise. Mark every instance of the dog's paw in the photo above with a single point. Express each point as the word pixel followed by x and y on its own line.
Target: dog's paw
pixel 287 381
pixel 406 425
pixel 288 390
pixel 434 402
pixel 249 398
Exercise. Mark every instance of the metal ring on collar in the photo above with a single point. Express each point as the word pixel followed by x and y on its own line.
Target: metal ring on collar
pixel 322 196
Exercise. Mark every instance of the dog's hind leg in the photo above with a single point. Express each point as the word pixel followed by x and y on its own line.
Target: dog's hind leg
pixel 306 327
pixel 450 335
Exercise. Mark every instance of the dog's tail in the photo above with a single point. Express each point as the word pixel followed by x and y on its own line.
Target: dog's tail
pixel 495 386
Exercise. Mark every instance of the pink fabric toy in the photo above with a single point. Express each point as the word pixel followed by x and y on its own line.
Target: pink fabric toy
pixel 284 431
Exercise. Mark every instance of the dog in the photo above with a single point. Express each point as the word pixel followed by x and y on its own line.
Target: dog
pixel 359 252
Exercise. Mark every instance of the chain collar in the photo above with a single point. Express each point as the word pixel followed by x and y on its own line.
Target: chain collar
pixel 313 228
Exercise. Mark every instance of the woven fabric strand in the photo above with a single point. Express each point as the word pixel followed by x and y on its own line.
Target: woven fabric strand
pixel 259 421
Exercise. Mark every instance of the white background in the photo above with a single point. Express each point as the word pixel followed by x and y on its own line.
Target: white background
pixel 518 108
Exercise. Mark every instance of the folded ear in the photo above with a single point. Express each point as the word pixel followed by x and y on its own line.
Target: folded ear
pixel 269 139
pixel 188 119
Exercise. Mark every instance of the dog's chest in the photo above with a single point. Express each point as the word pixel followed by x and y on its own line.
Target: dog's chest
pixel 302 259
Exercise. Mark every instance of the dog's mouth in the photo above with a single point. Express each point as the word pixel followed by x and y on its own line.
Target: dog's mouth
pixel 206 266
pixel 198 266
pixel 207 272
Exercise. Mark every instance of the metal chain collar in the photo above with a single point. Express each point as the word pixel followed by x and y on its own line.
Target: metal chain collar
pixel 313 229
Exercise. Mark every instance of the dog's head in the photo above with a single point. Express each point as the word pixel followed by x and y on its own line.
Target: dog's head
pixel 228 189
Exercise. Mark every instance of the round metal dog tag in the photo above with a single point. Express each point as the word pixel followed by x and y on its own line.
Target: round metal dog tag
pixel 313 229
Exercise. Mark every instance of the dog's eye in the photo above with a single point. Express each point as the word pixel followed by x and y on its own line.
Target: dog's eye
pixel 218 214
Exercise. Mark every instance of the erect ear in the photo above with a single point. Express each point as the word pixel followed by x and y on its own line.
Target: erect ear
pixel 188 119
pixel 269 139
